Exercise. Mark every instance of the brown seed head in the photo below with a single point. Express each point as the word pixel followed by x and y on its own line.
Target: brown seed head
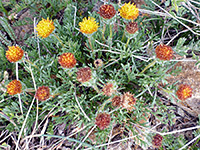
pixel 84 74
pixel 131 27
pixel 164 52
pixel 108 89
pixel 157 141
pixel 107 11
pixel 67 60
pixel 14 87
pixel 116 101
pixel 14 53
pixel 103 120
pixel 42 93
pixel 128 101
pixel 184 91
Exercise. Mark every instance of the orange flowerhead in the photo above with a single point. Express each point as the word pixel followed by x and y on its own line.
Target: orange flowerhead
pixel 131 27
pixel 14 53
pixel 45 27
pixel 88 26
pixel 84 74
pixel 107 11
pixel 129 11
pixel 164 52
pixel 157 141
pixel 67 60
pixel 42 93
pixel 128 100
pixel 184 92
pixel 103 120
pixel 14 87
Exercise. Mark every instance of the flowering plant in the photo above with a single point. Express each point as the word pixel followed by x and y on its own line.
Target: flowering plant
pixel 91 77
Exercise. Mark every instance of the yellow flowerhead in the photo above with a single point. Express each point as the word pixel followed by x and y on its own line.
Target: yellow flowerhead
pixel 129 11
pixel 14 53
pixel 45 27
pixel 88 26
pixel 14 87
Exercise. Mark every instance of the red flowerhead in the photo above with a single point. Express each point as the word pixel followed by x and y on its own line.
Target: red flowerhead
pixel 184 91
pixel 164 52
pixel 42 93
pixel 67 60
pixel 84 74
pixel 157 141
pixel 103 120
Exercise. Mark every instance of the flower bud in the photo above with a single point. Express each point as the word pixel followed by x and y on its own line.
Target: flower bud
pixel 131 27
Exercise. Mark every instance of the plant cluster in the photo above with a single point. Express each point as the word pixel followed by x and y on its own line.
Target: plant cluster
pixel 94 71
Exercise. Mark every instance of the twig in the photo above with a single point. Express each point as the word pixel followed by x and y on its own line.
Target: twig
pixel 198 3
pixel 37 111
pixel 182 130
pixel 190 142
pixel 110 136
pixel 112 62
pixel 17 77
pixel 189 8
pixel 24 123
pixel 80 106
pixel 177 35
pixel 104 50
pixel 75 18
pixel 165 15
pixel 113 142
pixel 70 135
pixel 175 18
pixel 86 137
pixel 5 137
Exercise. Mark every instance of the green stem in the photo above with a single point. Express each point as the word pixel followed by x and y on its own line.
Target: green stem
pixel 59 40
pixel 4 10
pixel 90 43
pixel 103 105
pixel 127 42
pixel 96 88
pixel 148 66
pixel 110 31
pixel 103 31
pixel 123 36
pixel 17 76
